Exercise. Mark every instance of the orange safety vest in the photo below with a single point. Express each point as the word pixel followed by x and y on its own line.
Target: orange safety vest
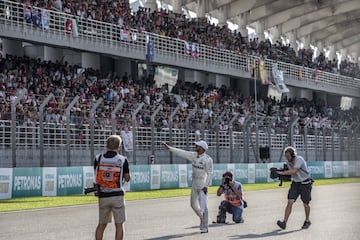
pixel 233 199
pixel 109 173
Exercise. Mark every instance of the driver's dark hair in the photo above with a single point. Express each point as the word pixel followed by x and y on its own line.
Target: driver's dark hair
pixel 228 174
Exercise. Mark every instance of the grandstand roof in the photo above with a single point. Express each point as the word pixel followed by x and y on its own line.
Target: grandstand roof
pixel 322 23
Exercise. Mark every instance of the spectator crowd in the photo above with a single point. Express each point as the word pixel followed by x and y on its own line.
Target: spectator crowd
pixel 194 30
pixel 35 79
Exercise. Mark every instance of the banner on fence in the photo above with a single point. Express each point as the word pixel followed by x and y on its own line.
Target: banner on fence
pixel 183 173
pixel 69 181
pixel 155 176
pixel 49 181
pixel 61 181
pixel 6 183
pixel 89 176
pixel 140 177
pixel 27 182
pixel 169 176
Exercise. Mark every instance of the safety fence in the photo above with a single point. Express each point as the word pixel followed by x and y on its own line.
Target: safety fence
pixel 68 144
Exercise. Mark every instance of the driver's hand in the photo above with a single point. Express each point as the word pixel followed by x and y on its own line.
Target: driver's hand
pixel 165 145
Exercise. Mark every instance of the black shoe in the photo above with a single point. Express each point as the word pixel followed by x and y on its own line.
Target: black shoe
pixel 281 224
pixel 306 225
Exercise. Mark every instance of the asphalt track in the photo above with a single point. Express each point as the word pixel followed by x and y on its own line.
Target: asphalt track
pixel 335 214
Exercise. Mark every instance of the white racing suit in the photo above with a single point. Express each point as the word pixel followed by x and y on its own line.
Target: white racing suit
pixel 202 173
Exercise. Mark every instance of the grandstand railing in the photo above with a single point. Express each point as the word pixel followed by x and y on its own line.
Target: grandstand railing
pixel 108 35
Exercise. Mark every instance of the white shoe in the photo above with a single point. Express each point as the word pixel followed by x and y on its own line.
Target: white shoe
pixel 204 230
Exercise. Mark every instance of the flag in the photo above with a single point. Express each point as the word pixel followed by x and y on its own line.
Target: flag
pixel 263 73
pixel 124 35
pixel 27 14
pixel 212 96
pixel 133 37
pixel 254 70
pixel 187 49
pixel 195 50
pixel 75 30
pixel 278 77
pixel 300 75
pixel 150 51
pixel 68 25
pixel 127 138
pixel 45 19
pixel 35 17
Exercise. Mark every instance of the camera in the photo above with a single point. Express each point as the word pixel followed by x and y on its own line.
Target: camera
pixel 282 178
pixel 227 181
pixel 92 189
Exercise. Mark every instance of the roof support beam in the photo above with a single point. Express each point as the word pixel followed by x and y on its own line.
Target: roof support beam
pixel 339 7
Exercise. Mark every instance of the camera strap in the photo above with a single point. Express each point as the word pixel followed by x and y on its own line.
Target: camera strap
pixel 98 162
pixel 304 171
pixel 311 180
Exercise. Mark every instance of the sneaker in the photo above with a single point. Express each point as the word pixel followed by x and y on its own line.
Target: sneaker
pixel 281 224
pixel 204 230
pixel 306 224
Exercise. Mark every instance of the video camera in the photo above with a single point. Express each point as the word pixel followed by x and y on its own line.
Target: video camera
pixel 282 178
pixel 92 189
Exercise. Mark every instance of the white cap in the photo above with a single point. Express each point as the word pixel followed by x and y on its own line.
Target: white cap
pixel 202 144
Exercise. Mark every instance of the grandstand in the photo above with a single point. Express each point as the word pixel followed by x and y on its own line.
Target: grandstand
pixel 72 74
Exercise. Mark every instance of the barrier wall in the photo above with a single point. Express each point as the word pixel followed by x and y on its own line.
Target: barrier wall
pixel 62 181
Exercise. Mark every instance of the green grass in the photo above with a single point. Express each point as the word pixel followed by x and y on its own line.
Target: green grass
pixel 46 202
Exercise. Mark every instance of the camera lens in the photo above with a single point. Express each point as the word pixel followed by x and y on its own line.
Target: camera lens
pixel 227 180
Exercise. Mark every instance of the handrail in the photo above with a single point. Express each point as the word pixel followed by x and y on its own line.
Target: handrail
pixel 107 34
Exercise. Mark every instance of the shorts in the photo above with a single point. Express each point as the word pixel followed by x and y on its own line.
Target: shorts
pixel 304 190
pixel 114 205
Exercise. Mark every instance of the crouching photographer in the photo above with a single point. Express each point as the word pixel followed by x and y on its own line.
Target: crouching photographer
pixel 233 203
pixel 301 185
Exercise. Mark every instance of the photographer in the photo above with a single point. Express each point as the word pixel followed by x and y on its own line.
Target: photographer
pixel 111 171
pixel 233 202
pixel 301 185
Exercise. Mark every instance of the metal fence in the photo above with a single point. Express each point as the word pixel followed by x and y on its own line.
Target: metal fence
pixel 68 144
